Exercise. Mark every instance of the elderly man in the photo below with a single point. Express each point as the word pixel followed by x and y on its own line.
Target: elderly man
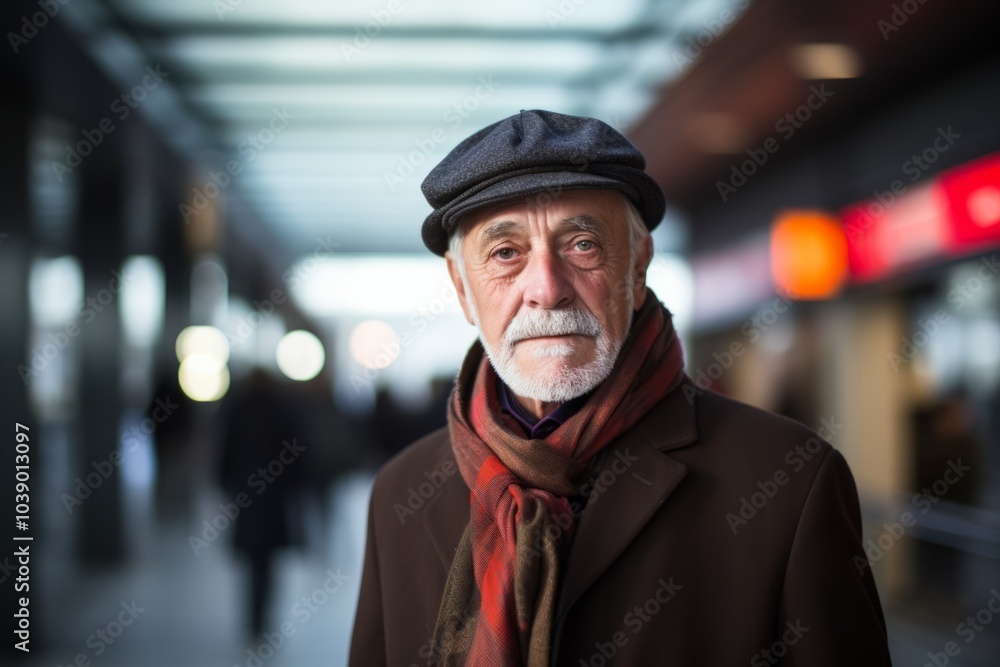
pixel 600 513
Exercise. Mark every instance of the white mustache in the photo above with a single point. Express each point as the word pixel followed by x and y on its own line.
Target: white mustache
pixel 535 323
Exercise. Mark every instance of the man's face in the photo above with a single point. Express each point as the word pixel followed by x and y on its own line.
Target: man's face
pixel 551 289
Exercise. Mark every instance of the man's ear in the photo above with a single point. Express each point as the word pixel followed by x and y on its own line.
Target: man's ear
pixel 644 255
pixel 456 279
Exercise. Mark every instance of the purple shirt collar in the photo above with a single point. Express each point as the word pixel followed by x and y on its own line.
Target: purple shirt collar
pixel 537 429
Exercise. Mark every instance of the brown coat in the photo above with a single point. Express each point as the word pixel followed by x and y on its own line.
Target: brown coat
pixel 719 534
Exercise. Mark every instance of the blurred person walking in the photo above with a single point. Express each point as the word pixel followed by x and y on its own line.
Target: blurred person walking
pixel 260 459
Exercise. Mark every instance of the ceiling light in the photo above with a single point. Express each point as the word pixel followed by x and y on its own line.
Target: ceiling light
pixel 825 61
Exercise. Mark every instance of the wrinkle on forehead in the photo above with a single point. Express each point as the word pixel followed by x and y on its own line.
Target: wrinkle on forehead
pixel 500 229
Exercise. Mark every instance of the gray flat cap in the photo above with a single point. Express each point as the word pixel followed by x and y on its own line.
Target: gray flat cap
pixel 531 153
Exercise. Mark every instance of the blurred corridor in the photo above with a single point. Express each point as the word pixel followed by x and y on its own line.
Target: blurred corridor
pixel 218 318
pixel 183 609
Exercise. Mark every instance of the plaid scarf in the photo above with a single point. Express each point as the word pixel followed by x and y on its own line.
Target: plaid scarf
pixel 499 600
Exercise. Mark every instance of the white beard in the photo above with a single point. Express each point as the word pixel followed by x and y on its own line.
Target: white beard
pixel 542 383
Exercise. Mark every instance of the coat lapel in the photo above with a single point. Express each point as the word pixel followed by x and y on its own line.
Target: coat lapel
pixel 447 512
pixel 615 517
pixel 638 479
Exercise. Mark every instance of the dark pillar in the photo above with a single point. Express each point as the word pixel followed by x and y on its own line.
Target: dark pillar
pixel 99 237
pixel 15 253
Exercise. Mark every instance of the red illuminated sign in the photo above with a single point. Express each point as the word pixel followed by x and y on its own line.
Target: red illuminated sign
pixel 973 192
pixel 953 214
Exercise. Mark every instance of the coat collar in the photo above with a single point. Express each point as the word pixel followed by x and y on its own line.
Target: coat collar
pixel 640 477
pixel 644 476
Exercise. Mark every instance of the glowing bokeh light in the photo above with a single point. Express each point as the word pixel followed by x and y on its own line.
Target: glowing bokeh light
pixel 202 340
pixel 374 344
pixel 300 355
pixel 202 378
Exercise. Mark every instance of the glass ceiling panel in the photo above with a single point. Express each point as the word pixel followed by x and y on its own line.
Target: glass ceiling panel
pixel 271 56
pixel 360 115
pixel 602 16
pixel 487 92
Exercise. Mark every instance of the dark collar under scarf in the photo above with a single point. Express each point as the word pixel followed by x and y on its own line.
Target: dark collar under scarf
pixel 537 429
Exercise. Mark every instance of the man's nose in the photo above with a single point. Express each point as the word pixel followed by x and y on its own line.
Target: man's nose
pixel 546 282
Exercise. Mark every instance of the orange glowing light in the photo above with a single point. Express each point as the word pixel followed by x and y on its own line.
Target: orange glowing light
pixel 808 254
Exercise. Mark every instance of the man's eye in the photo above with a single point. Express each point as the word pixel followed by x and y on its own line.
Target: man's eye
pixel 585 245
pixel 505 253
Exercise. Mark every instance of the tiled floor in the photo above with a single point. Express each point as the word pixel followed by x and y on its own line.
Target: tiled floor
pixel 188 609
